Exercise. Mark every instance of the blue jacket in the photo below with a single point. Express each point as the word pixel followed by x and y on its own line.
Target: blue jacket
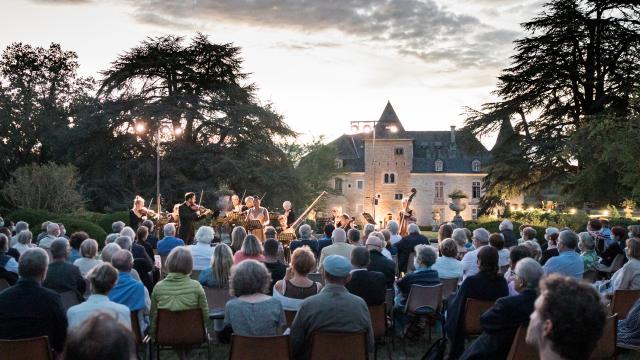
pixel 167 244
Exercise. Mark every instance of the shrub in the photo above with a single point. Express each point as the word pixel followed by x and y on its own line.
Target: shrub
pixel 73 224
pixel 33 217
pixel 106 220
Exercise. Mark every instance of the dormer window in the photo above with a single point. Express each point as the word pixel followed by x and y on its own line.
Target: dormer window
pixel 475 166
pixel 438 165
pixel 339 163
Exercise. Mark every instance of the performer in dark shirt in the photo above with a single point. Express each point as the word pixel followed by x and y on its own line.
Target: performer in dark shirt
pixel 189 213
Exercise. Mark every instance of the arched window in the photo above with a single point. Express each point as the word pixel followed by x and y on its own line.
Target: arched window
pixel 475 166
pixel 389 178
pixel 439 165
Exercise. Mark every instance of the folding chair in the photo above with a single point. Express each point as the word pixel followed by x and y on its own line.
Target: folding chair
pixel 519 347
pixel 181 329
pixel 379 324
pixel 606 346
pixel 339 346
pixel 473 309
pixel 253 347
pixel 36 348
pixel 622 302
pixel 424 301
pixel 217 299
pixel 449 286
pixel 141 340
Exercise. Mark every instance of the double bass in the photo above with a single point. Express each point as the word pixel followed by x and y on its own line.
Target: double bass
pixel 405 214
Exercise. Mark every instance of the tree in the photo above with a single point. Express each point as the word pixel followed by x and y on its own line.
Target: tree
pixel 579 63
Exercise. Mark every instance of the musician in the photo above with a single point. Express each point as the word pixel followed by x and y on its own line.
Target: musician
pixel 410 218
pixel 257 212
pixel 138 212
pixel 288 213
pixel 236 204
pixel 189 212
pixel 345 222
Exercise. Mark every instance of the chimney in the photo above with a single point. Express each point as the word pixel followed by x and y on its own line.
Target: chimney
pixel 453 134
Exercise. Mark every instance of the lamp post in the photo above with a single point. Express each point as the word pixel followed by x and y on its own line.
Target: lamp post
pixel 367 127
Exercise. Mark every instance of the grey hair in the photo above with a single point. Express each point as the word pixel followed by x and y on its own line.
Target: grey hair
pixel 393 226
pixel 482 235
pixel 413 229
pixel 568 238
pixel 110 238
pixel 180 260
pixel 204 234
pixel 124 242
pixel 425 254
pixel 304 230
pixel 122 260
pixel 52 228
pixel 505 225
pixel 460 236
pixel 249 277
pixel 21 226
pixel 33 263
pixel 529 232
pixel 251 246
pixel 169 229
pixel 108 251
pixel 587 240
pixel 117 226
pixel 534 247
pixel 339 236
pixel 25 237
pixel 89 248
pixel 59 248
pixel 530 272
pixel 369 228
pixel 270 232
pixel 127 231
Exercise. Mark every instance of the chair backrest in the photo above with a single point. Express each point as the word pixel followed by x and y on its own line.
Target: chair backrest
pixel 317 277
pixel 424 296
pixel 410 265
pixel 69 299
pixel 26 349
pixel 623 301
pixel 472 310
pixel 4 284
pixel 254 347
pixel 194 274
pixel 590 276
pixel 449 286
pixel 180 328
pixel 388 299
pixel 290 315
pixel 216 297
pixel 519 347
pixel 606 346
pixel 135 327
pixel 378 320
pixel 339 346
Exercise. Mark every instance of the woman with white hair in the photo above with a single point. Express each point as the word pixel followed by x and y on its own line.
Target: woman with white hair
pixel 587 247
pixel 289 215
pixel 87 261
pixel 202 250
pixel 368 229
pixel 394 228
pixel 24 238
pixel 460 237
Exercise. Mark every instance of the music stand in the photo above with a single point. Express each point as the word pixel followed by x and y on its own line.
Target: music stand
pixel 286 238
pixel 253 225
pixel 369 218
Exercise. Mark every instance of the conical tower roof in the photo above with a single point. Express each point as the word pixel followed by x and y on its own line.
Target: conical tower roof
pixel 389 125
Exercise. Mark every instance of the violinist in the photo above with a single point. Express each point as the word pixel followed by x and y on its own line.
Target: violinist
pixel 190 212
pixel 236 204
pixel 138 213
pixel 288 217
pixel 257 212
pixel 345 222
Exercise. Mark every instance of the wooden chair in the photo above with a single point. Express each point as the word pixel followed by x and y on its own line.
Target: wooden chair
pixel 389 296
pixel 290 315
pixel 520 350
pixel 410 265
pixel 424 301
pixel 254 347
pixel 473 309
pixel 141 340
pixel 615 265
pixel 4 284
pixel 622 302
pixel 590 276
pixel 37 348
pixel 195 274
pixel 217 299
pixel 606 346
pixel 339 346
pixel 69 299
pixel 379 324
pixel 317 277
pixel 449 286
pixel 181 329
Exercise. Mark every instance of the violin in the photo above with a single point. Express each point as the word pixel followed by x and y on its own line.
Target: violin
pixel 200 209
pixel 146 212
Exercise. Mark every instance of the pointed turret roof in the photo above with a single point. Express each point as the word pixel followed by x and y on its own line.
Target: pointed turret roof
pixel 507 138
pixel 389 120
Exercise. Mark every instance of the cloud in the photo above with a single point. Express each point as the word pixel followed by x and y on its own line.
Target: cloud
pixel 63 2
pixel 149 18
pixel 307 45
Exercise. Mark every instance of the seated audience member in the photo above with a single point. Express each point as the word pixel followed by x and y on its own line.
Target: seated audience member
pixel 202 250
pixel 7 261
pixel 614 247
pixel 128 291
pixel 353 237
pixel 348 313
pixel 445 231
pixel 516 254
pixel 367 230
pixel 587 251
pixel 252 312
pixel 102 278
pixel 568 319
pixel 394 229
pixel 326 239
pixel 276 267
pixel 339 247
pixel 534 249
pixel 629 328
pixel 634 231
pixel 152 239
pixel 296 286
pixel 142 239
pixel 460 237
pixel 551 235
pixel 88 252
pixel 487 284
pixel 217 274
pixel 10 250
pixel 116 227
pixel 53 231
pixel 62 276
pixel 497 241
pixel 100 337
pixel 506 229
pixel 29 310
pixel 628 277
pixel 237 238
pixel 20 226
pixel 111 238
pixel 447 266
pixel 470 259
pixel 378 262
pixel 385 236
pixel 23 241
pixel 568 262
pixel 529 233
pixel 305 240
pixel 469 244
pixel 594 227
pixel 108 251
pixel 407 245
pixel 43 231
pixel 369 285
pixel 141 263
pixel 501 321
pixel 75 240
pixel 251 249
pixel 422 275
pixel 169 241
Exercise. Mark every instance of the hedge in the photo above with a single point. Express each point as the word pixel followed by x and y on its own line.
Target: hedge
pixel 107 219
pixel 33 217
pixel 73 224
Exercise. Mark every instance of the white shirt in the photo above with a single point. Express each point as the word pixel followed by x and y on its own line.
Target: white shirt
pixel 448 267
pixel 85 265
pixel 98 303
pixel 395 238
pixel 202 254
pixel 503 257
pixel 386 253
pixel 22 247
pixel 470 263
pixel 46 241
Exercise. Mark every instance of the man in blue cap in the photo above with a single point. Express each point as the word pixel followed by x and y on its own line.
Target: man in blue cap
pixel 334 309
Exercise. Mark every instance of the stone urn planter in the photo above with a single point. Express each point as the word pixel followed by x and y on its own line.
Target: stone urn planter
pixel 458 204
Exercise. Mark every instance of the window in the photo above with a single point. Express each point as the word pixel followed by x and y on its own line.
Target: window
pixel 360 184
pixel 439 190
pixel 438 165
pixel 339 164
pixel 338 185
pixel 474 214
pixel 397 196
pixel 475 166
pixel 475 189
pixel 389 178
pixel 399 151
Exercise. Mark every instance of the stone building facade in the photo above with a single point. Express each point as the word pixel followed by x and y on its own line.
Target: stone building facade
pixel 378 173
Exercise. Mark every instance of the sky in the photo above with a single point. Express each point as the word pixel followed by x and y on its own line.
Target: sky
pixel 321 63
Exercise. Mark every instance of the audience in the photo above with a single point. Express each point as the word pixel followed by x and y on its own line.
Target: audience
pixel 62 276
pixel 237 237
pixel 615 246
pixel 551 235
pixel 369 285
pixel 534 249
pixel 116 227
pixel 353 237
pixel 339 246
pixel 43 231
pixel 445 231
pixel 588 254
pixel 169 241
pixel 629 328
pixel 385 235
pixel 296 285
pixel 102 278
pixel 218 273
pixel 568 319
pixel 378 262
pixel 7 261
pixel 326 239
pixel 20 226
pixel 594 227
pixel 29 310
pixel 141 262
pixel 251 249
pixel 497 241
pixel 75 240
pixel 447 266
pixel 305 240
pixel 23 241
pixel 53 232
pixel 460 237
pixel 100 337
pixel 202 250
pixel 568 262
pixel 275 266
pixel 394 229
pixel 516 254
pixel 506 229
pixel 422 275
pixel 628 277
pixel 88 252
pixel 142 239
pixel 368 229
pixel 129 291
pixel 152 239
pixel 349 313
pixel 407 245
pixel 529 234
pixel 470 259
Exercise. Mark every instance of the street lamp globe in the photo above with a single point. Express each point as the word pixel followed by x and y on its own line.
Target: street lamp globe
pixel 178 130
pixel 140 127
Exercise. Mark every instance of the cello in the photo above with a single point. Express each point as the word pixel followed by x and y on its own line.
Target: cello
pixel 405 214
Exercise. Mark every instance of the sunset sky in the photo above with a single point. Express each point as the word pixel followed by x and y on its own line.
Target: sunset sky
pixel 322 63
